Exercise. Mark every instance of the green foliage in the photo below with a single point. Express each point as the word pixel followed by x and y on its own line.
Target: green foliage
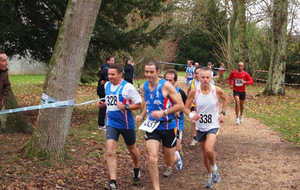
pixel 31 27
pixel 202 34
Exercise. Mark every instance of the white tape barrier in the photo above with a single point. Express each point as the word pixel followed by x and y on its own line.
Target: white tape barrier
pixel 49 102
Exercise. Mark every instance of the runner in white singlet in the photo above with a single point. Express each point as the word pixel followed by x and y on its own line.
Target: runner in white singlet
pixel 207 120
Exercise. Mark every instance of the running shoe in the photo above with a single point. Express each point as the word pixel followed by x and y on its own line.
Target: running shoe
pixel 241 118
pixel 237 121
pixel 102 128
pixel 209 183
pixel 111 186
pixel 136 175
pixel 193 143
pixel 179 163
pixel 216 176
pixel 168 172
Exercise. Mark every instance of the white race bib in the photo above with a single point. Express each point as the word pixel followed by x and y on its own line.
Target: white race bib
pixel 149 125
pixel 239 82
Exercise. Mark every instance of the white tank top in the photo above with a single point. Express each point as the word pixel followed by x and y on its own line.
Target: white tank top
pixel 207 106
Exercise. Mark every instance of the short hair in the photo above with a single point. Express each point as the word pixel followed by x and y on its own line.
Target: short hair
pixel 126 61
pixel 198 67
pixel 1 51
pixel 108 58
pixel 152 62
pixel 117 67
pixel 209 63
pixel 171 71
pixel 205 69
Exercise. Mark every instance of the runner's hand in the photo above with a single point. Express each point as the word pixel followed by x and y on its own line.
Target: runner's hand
pixel 101 104
pixel 157 114
pixel 196 117
pixel 120 105
pixel 221 118
pixel 139 118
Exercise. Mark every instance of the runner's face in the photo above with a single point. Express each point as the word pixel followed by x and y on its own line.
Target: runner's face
pixel 197 74
pixel 205 78
pixel 150 73
pixel 240 67
pixel 170 77
pixel 114 77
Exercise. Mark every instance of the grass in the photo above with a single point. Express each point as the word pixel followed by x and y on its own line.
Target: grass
pixel 280 113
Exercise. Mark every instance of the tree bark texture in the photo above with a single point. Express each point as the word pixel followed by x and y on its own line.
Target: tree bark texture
pixel 276 76
pixel 15 122
pixel 63 77
pixel 243 46
pixel 231 25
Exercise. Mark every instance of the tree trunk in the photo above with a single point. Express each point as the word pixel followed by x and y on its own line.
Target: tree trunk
pixel 62 80
pixel 276 76
pixel 243 46
pixel 231 24
pixel 15 122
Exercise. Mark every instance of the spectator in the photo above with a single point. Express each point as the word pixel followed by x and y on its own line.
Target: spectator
pixel 103 78
pixel 4 81
pixel 128 71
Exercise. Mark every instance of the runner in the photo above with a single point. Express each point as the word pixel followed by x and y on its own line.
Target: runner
pixel 120 98
pixel 195 82
pixel 214 74
pixel 161 103
pixel 238 80
pixel 171 76
pixel 189 72
pixel 207 120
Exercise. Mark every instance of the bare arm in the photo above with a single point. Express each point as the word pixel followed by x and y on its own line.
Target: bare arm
pixel 222 95
pixel 188 104
pixel 169 91
pixel 140 117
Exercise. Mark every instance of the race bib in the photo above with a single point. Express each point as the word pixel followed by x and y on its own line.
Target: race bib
pixel 111 102
pixel 149 125
pixel 239 82
pixel 190 75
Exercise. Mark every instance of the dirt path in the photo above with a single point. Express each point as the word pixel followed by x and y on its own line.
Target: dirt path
pixel 250 156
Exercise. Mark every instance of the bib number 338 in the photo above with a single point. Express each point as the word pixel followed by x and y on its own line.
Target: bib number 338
pixel 205 118
pixel 149 125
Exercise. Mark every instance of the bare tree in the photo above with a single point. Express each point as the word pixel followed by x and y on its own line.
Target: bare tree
pixel 243 46
pixel 62 80
pixel 231 25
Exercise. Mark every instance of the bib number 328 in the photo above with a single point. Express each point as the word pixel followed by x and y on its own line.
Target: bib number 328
pixel 149 125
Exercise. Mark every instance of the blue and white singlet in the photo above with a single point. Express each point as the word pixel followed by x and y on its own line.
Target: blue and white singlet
pixel 115 117
pixel 156 101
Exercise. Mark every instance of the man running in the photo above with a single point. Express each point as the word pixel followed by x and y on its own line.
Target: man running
pixel 189 74
pixel 120 98
pixel 161 103
pixel 238 80
pixel 207 120
pixel 214 74
pixel 171 76
pixel 195 82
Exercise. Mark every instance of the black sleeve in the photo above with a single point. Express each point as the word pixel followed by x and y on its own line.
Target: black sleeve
pixel 183 95
pixel 215 73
